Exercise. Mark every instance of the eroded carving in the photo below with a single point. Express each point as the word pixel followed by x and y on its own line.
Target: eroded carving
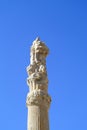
pixel 38 97
pixel 37 80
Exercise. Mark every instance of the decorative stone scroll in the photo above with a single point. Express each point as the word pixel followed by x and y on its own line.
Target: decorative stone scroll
pixel 37 80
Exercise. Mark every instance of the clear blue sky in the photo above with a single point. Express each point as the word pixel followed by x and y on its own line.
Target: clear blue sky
pixel 62 25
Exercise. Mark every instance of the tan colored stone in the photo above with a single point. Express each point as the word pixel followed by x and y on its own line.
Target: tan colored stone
pixel 38 100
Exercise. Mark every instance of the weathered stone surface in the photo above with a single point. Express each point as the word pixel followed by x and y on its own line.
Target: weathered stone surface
pixel 38 97
pixel 38 100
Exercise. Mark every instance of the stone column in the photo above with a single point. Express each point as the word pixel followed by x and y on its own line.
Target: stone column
pixel 38 100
